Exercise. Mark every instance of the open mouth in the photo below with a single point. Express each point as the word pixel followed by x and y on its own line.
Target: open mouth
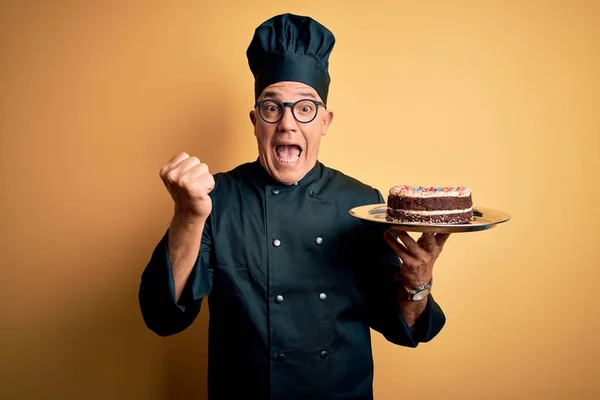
pixel 288 153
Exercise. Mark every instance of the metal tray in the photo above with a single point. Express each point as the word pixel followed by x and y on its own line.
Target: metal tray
pixel 485 218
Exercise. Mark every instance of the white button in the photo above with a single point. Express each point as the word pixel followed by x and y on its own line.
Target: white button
pixel 322 296
pixel 276 242
pixel 275 191
pixel 279 298
pixel 319 240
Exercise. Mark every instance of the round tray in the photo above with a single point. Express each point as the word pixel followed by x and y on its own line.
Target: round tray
pixel 484 218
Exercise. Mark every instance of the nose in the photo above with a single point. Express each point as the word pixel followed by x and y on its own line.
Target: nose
pixel 287 122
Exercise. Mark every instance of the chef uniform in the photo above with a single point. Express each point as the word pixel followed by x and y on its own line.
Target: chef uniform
pixel 293 282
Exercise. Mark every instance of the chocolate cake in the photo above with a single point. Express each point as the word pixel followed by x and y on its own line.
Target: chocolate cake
pixel 441 205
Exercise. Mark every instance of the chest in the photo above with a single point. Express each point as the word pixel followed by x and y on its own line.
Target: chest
pixel 287 237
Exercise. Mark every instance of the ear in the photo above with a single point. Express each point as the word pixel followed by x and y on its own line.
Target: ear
pixel 327 120
pixel 253 117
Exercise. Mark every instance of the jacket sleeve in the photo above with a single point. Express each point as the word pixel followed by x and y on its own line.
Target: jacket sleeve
pixel 161 313
pixel 384 315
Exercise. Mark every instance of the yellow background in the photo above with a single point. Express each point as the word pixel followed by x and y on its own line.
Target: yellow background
pixel 503 96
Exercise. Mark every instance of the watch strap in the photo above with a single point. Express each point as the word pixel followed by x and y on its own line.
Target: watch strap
pixel 415 293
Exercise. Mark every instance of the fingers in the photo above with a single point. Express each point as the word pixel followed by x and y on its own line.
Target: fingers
pixel 196 170
pixel 179 170
pixel 178 158
pixel 207 181
pixel 189 183
pixel 182 170
pixel 173 162
pixel 400 250
pixel 427 241
pixel 188 164
pixel 428 244
pixel 411 245
pixel 192 176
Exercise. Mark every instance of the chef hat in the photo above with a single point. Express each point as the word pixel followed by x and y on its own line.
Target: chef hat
pixel 290 47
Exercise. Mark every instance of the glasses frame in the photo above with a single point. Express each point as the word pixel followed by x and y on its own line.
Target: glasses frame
pixel 283 105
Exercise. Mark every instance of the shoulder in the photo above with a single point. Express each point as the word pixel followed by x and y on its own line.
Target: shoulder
pixel 351 186
pixel 233 176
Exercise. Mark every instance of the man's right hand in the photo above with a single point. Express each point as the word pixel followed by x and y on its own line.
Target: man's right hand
pixel 189 182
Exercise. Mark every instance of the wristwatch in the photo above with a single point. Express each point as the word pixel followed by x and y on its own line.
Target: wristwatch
pixel 416 293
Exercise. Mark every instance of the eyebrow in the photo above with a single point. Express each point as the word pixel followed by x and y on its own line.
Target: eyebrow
pixel 306 94
pixel 272 94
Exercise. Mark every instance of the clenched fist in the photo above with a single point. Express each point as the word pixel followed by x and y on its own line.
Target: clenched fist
pixel 189 182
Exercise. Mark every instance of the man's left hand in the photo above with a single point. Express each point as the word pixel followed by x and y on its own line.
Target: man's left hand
pixel 418 257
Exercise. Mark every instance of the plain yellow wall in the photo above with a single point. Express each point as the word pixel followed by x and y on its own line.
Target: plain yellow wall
pixel 503 96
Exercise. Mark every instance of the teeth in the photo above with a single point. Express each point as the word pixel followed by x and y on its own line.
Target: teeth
pixel 285 158
pixel 290 161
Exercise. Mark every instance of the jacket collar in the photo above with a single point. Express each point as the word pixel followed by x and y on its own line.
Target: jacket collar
pixel 262 177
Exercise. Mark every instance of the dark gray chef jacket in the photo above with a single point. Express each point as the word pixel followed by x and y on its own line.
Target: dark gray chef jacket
pixel 294 284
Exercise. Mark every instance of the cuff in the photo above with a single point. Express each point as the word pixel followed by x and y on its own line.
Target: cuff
pixel 194 288
pixel 429 323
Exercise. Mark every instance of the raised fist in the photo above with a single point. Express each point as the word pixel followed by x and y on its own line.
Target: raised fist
pixel 189 182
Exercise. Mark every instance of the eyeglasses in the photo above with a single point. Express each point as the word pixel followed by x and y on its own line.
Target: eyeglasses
pixel 304 111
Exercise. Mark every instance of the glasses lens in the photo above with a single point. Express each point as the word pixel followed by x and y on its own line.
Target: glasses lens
pixel 305 110
pixel 271 111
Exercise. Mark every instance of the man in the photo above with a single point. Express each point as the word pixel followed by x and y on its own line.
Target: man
pixel 294 283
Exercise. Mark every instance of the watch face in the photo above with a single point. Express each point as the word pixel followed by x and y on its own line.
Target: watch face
pixel 421 295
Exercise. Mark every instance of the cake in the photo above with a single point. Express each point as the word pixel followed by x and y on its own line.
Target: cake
pixel 441 205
